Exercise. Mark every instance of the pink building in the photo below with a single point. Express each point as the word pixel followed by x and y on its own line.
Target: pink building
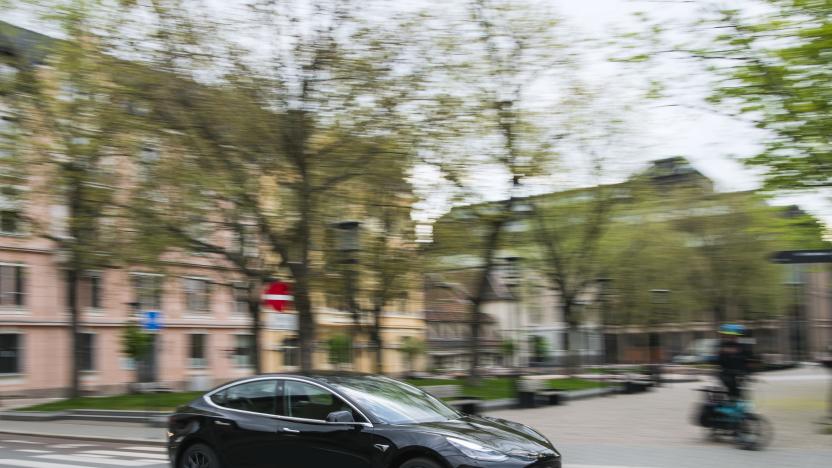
pixel 205 337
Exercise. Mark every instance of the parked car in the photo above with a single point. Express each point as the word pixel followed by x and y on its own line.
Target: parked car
pixel 698 352
pixel 344 421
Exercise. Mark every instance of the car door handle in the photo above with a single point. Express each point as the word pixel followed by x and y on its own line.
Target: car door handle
pixel 222 423
pixel 291 431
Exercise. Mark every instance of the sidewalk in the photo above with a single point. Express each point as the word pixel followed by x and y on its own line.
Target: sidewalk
pixel 133 433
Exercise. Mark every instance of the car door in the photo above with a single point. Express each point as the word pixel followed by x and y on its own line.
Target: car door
pixel 306 440
pixel 245 432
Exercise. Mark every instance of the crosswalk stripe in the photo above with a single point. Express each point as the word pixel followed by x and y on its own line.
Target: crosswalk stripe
pixel 98 460
pixel 33 451
pixel 121 453
pixel 145 448
pixel 36 464
pixel 21 442
pixel 70 446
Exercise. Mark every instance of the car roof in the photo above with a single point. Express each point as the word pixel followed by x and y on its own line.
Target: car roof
pixel 322 377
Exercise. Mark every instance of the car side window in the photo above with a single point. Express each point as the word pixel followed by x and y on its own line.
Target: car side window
pixel 307 401
pixel 261 396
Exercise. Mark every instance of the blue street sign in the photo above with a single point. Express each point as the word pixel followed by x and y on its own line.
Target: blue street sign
pixel 152 320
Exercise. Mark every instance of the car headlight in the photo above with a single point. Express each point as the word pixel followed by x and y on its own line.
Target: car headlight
pixel 476 451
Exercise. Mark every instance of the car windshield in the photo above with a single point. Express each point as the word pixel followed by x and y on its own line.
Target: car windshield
pixel 393 402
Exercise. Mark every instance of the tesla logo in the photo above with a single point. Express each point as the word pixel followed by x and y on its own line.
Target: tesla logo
pixel 382 447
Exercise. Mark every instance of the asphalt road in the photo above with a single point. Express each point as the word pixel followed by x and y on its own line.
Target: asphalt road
pixel 42 452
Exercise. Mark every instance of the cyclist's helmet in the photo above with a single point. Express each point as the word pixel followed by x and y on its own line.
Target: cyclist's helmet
pixel 732 329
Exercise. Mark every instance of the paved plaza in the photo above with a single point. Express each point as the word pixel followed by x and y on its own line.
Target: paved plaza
pixel 654 429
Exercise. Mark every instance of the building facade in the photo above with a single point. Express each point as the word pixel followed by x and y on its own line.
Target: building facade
pixel 675 257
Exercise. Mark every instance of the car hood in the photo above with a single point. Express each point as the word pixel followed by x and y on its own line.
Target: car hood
pixel 505 436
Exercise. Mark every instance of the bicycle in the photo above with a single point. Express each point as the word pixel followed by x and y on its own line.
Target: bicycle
pixel 722 416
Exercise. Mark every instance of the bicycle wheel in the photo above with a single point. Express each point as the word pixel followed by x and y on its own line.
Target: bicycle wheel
pixel 755 432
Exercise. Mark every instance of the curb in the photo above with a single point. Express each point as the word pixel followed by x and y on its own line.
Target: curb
pixel 85 437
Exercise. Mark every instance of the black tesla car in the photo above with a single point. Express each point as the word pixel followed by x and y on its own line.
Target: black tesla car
pixel 343 421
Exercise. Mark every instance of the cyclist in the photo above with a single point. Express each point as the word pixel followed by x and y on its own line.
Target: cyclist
pixel 735 359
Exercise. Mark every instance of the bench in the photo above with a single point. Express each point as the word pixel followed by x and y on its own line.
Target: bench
pixel 452 395
pixel 531 390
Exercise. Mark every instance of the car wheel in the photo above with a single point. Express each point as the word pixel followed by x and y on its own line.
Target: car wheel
pixel 199 456
pixel 420 463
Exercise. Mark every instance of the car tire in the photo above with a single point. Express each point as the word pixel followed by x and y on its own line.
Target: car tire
pixel 420 463
pixel 199 456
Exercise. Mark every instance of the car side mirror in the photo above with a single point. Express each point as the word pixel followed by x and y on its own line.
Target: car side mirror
pixel 340 417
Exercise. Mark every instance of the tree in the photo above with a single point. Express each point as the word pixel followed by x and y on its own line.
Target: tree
pixel 510 48
pixel 294 127
pixel 136 344
pixel 391 261
pixel 777 73
pixel 340 350
pixel 508 349
pixel 74 128
pixel 569 238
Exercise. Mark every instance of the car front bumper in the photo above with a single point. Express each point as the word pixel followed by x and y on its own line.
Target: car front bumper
pixel 464 462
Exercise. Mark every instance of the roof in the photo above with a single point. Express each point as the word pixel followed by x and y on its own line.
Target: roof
pixel 22 43
pixel 445 295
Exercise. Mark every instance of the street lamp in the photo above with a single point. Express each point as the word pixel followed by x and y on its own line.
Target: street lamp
pixel 512 277
pixel 347 244
pixel 795 282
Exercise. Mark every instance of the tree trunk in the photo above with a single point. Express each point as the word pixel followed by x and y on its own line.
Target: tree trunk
pixel 376 337
pixel 254 290
pixel 306 322
pixel 476 302
pixel 74 328
pixel 570 361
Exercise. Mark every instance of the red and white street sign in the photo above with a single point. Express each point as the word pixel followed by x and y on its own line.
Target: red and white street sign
pixel 278 295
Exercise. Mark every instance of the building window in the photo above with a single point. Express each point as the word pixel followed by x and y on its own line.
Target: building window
pixel 147 288
pixel 12 292
pixel 87 351
pixel 10 222
pixel 196 351
pixel 8 132
pixel 243 351
pixel 291 352
pixel 10 351
pixel 197 295
pixel 89 294
pixel 240 293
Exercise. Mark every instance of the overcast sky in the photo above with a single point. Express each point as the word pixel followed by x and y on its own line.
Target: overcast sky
pixel 680 127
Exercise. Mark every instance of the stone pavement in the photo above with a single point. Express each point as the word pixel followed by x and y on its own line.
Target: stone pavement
pixel 137 433
pixel 654 429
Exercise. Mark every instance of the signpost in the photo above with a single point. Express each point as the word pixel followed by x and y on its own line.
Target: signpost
pixel 809 256
pixel 151 321
pixel 802 256
pixel 278 296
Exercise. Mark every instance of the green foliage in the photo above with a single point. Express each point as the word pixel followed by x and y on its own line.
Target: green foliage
pixel 133 402
pixel 135 342
pixel 412 347
pixel 540 347
pixel 339 348
pixel 781 76
pixel 508 348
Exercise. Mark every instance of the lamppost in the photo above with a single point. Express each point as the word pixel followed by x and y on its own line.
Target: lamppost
pixel 512 277
pixel 603 291
pixel 795 330
pixel 347 244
